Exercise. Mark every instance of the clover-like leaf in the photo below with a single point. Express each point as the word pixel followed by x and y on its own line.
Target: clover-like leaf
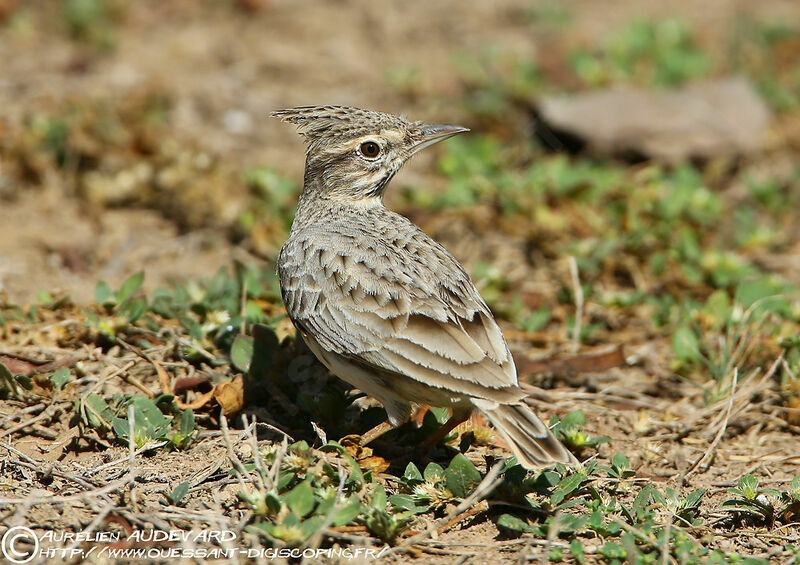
pixel 461 476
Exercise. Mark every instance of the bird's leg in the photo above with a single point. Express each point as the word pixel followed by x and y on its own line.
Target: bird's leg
pixel 458 417
pixel 375 433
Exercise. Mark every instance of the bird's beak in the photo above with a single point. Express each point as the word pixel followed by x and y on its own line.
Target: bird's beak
pixel 434 133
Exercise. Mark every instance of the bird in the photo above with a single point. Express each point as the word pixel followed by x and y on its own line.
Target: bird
pixel 379 302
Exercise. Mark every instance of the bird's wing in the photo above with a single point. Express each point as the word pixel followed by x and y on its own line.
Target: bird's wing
pixel 404 305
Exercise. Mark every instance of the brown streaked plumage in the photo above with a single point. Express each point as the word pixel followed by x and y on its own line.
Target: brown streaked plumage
pixel 380 303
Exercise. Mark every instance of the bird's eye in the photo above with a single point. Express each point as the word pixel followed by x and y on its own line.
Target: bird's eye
pixel 370 149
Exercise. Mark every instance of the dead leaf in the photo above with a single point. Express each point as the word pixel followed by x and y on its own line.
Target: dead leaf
pixel 374 463
pixel 198 402
pixel 230 395
pixel 163 377
pixel 352 444
pixel 586 363
pixel 793 414
pixel 18 366
pixel 191 383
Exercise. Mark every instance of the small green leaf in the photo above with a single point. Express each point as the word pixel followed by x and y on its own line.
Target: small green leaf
pixel 642 500
pixel 5 373
pixel 148 414
pixel 242 352
pixel 432 471
pixel 685 344
pixel 567 485
pixel 612 551
pixel 576 549
pixel 149 422
pixel 103 293
pixel 134 309
pixel 348 512
pixel 301 499
pixel 574 419
pixel 129 287
pixel 749 486
pixel 60 377
pixel 461 476
pixel 412 472
pixel 97 411
pixel 379 497
pixel 187 422
pixel 718 305
pixel 24 381
pixel 253 311
pixel 272 502
pixel 121 428
pixel 619 461
pixel 693 498
pixel 43 297
pixel 405 501
pixel 441 414
pixel 513 523
pixel 356 475
pixel 179 492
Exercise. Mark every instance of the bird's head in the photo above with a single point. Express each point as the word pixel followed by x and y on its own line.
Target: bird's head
pixel 353 153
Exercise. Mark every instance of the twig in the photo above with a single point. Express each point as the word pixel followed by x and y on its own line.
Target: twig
pixel 577 290
pixel 131 444
pixel 482 506
pixel 148 447
pixel 35 465
pixel 243 307
pixel 705 460
pixel 80 497
pixel 48 412
pixel 250 431
pixel 241 471
pixel 30 409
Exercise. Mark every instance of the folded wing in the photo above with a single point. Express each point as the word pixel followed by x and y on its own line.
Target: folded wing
pixel 402 312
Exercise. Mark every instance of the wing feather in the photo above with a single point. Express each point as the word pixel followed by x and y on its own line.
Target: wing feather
pixel 363 302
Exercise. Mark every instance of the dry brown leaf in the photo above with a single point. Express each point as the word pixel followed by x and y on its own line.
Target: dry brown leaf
pixel 230 395
pixel 163 377
pixel 374 463
pixel 198 402
pixel 191 383
pixel 570 365
pixel 793 415
pixel 352 444
pixel 18 366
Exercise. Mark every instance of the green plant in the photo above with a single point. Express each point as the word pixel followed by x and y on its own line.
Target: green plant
pixel 752 501
pixel 92 21
pixel 662 53
pixel 494 80
pixel 12 385
pixel 569 429
pixel 122 303
pixel 176 495
pixel 738 327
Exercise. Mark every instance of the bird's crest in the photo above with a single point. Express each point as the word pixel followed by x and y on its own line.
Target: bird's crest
pixel 321 122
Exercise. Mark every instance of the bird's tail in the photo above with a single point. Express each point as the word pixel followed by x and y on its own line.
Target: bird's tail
pixel 527 436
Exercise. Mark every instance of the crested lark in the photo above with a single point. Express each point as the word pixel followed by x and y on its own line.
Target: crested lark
pixel 380 303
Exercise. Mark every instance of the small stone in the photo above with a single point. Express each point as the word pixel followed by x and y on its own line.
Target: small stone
pixel 701 120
